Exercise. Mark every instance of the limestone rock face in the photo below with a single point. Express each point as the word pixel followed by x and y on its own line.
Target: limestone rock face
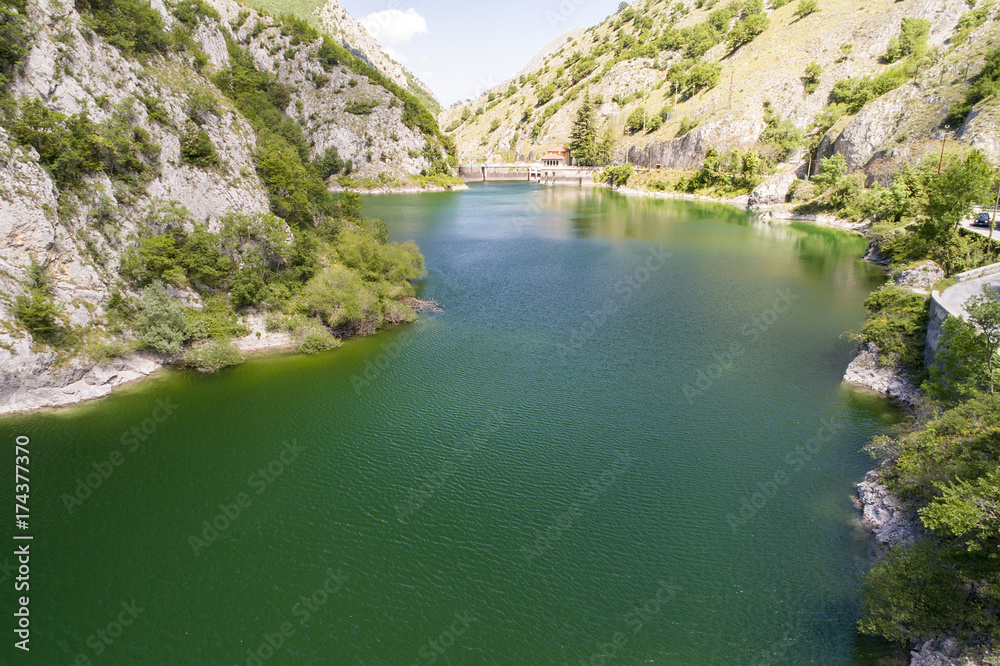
pixel 883 513
pixel 980 129
pixel 772 191
pixel 865 371
pixel 921 276
pixel 363 42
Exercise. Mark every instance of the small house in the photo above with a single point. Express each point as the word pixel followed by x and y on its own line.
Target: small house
pixel 558 156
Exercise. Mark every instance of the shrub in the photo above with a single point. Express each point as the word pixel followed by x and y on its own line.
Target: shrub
pixel 36 310
pixel 329 163
pixel 160 320
pixel 911 595
pixel 361 107
pixel 637 120
pixel 545 95
pixel 339 296
pixel 318 341
pixel 810 81
pixel 190 12
pixel 805 8
pixel 131 25
pixel 197 149
pixel 15 35
pixel 618 176
pixel 897 324
pixel 687 124
pixel 912 40
pixel 213 356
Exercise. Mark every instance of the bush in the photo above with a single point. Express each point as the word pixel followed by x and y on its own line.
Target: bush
pixel 36 310
pixel 329 163
pixel 361 107
pixel 197 149
pixel 912 40
pixel 131 25
pixel 687 124
pixel 897 324
pixel 15 35
pixel 810 81
pixel 911 595
pixel 318 341
pixel 618 176
pixel 339 296
pixel 213 356
pixel 160 320
pixel 805 8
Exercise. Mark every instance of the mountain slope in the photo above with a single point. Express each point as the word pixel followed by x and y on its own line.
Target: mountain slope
pixel 722 62
pixel 189 146
pixel 335 20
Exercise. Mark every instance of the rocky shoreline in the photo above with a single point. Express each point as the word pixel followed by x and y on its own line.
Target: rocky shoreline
pixel 43 384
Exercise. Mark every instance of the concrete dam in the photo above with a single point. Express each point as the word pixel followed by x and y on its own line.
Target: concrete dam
pixel 527 173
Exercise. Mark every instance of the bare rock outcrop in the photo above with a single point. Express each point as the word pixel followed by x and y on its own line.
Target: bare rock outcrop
pixel 867 371
pixel 772 191
pixel 921 276
pixel 890 520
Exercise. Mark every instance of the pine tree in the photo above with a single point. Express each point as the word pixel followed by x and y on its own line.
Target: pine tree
pixel 583 138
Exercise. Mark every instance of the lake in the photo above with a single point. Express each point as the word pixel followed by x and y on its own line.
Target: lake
pixel 625 440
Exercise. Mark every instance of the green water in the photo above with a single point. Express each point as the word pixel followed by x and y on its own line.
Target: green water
pixel 560 468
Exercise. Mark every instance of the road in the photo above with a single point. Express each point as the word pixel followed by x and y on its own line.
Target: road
pixel 953 298
pixel 967 224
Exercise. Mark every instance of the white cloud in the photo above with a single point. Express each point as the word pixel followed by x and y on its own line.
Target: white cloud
pixel 394 25
pixel 395 55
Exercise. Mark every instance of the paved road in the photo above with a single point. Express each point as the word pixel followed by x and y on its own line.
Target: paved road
pixel 954 297
pixel 985 231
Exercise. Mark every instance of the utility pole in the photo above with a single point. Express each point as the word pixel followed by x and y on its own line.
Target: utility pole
pixel 993 220
pixel 941 159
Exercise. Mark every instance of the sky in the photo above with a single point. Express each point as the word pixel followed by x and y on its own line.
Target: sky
pixel 461 49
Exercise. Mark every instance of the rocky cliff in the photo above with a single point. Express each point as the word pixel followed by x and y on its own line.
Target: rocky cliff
pixel 164 133
pixel 335 20
pixel 699 77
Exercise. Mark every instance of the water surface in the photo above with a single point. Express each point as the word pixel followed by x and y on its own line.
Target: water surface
pixel 624 441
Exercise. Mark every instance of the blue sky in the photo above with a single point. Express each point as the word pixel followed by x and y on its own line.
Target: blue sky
pixel 460 49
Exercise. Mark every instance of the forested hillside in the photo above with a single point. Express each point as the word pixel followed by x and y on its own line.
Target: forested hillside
pixel 164 175
pixel 879 82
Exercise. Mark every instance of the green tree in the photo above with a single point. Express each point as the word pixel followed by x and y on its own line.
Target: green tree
pixel 605 149
pixel 984 314
pixel 810 81
pixel 546 94
pixel 160 320
pixel 36 310
pixel 704 76
pixel 910 595
pixel 805 8
pixel 952 194
pixel 637 120
pixel 583 136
